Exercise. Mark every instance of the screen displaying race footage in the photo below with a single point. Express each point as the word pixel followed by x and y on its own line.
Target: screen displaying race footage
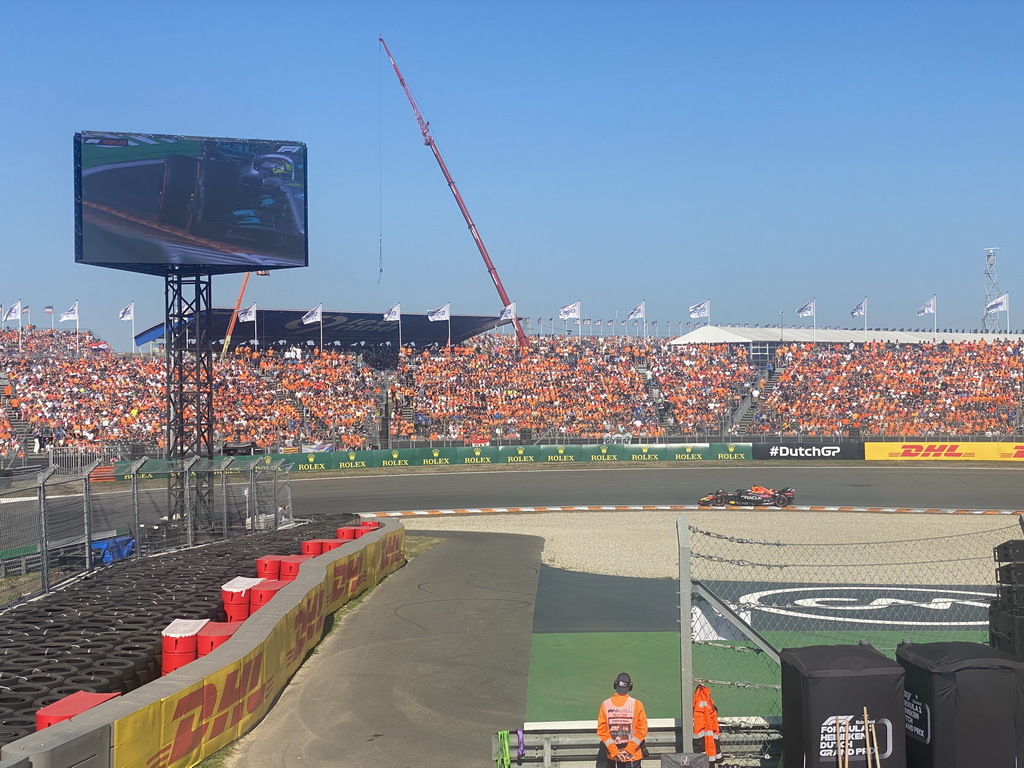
pixel 154 203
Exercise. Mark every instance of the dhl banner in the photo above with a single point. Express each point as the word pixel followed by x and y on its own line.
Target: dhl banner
pixel 925 450
pixel 190 724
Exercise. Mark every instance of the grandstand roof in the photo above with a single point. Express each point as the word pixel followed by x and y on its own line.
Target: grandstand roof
pixel 719 334
pixel 343 329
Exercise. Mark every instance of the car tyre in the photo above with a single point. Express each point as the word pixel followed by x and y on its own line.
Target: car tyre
pixel 718 500
pixel 780 500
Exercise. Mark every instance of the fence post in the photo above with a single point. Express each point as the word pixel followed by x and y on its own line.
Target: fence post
pixel 190 523
pixel 253 505
pixel 44 549
pixel 87 511
pixel 133 470
pixel 224 496
pixel 685 637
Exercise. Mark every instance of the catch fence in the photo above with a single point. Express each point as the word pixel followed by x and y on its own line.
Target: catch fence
pixel 58 525
pixel 753 597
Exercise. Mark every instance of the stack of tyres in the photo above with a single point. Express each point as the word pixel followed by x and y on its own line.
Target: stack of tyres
pixel 1006 612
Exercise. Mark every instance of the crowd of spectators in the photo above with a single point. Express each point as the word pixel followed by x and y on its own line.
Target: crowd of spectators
pixel 889 389
pixel 71 391
pixel 495 389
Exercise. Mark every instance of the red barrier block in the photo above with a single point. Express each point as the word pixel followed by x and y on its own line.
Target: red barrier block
pixel 214 634
pixel 331 544
pixel 172 661
pixel 349 532
pixel 236 612
pixel 290 566
pixel 312 547
pixel 269 566
pixel 261 594
pixel 370 525
pixel 69 706
pixel 180 636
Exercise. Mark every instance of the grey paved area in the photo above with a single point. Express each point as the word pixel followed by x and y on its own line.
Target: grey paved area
pixel 421 673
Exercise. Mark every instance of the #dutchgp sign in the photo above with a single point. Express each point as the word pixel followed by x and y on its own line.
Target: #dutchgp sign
pixel 804 451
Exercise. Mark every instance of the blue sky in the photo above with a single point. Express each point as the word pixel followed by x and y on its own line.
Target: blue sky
pixel 758 153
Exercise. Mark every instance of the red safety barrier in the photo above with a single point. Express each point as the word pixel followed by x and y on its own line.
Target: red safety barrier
pixel 348 533
pixel 261 594
pixel 330 544
pixel 269 566
pixel 312 547
pixel 178 643
pixel 71 705
pixel 290 566
pixel 370 525
pixel 235 595
pixel 214 634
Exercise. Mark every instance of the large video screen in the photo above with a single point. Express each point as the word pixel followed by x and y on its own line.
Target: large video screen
pixel 154 203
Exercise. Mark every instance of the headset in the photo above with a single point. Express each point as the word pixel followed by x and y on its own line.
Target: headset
pixel 623 678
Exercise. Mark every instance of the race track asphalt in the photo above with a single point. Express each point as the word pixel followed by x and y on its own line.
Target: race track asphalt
pixel 436 658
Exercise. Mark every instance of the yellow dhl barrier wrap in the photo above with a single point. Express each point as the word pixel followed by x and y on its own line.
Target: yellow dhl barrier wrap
pixel 189 725
pixel 924 450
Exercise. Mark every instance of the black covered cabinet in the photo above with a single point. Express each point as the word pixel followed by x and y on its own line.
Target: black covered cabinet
pixel 826 685
pixel 964 705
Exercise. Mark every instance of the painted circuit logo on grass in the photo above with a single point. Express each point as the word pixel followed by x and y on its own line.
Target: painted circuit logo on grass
pixel 895 606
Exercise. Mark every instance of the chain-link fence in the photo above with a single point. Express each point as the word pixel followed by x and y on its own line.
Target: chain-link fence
pixel 60 524
pixel 754 597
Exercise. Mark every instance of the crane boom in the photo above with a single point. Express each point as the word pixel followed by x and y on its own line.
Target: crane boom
pixel 428 139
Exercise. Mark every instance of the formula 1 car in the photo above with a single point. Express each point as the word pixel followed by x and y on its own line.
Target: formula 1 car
pixel 238 192
pixel 756 496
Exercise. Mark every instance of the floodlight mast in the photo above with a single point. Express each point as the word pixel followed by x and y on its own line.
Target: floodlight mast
pixel 428 139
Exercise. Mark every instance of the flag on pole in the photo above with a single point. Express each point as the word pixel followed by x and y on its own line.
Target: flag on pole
pixel 315 315
pixel 508 313
pixel 569 312
pixel 128 313
pixel 247 315
pixel 47 310
pixel 394 314
pixel 14 312
pixel 703 309
pixel 441 313
pixel 639 312
pixel 860 309
pixel 25 310
pixel 71 314
pixel 807 310
pixel 1002 304
pixel 928 308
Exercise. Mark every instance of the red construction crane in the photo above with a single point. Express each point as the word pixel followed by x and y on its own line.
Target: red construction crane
pixel 428 139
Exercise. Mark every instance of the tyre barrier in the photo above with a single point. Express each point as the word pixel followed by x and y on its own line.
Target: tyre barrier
pixel 103 635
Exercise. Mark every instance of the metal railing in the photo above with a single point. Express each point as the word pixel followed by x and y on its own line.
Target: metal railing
pixel 59 524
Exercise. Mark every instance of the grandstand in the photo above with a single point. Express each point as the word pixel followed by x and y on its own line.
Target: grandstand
pixel 720 382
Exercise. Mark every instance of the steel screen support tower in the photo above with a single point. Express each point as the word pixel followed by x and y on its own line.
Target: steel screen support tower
pixel 189 362
pixel 989 321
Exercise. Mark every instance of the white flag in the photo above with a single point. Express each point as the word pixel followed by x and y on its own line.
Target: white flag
pixel 639 312
pixel 441 313
pixel 315 315
pixel 928 308
pixel 247 315
pixel 807 310
pixel 701 310
pixel 14 312
pixel 1002 304
pixel 508 313
pixel 860 309
pixel 128 313
pixel 394 314
pixel 569 312
pixel 71 314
